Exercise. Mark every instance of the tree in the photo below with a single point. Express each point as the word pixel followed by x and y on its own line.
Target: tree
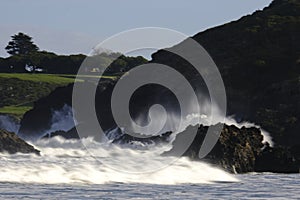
pixel 21 44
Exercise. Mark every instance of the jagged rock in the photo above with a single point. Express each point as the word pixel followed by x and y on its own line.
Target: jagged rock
pixel 71 134
pixel 118 138
pixel 240 150
pixel 235 150
pixel 11 143
pixel 129 139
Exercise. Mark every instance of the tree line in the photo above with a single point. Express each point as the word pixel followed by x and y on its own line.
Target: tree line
pixel 25 56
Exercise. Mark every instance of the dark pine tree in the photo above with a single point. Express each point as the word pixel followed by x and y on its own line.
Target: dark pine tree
pixel 21 44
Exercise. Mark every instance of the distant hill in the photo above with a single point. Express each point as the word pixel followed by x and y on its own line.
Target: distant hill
pixel 259 59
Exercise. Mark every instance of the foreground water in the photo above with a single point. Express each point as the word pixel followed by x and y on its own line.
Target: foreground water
pixel 250 186
pixel 67 169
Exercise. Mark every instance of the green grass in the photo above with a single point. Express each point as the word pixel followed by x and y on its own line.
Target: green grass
pixel 59 79
pixel 17 111
pixel 80 77
pixel 18 91
pixel 46 78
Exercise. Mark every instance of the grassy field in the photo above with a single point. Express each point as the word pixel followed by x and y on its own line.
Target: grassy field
pixel 60 79
pixel 45 78
pixel 18 91
pixel 17 111
pixel 82 77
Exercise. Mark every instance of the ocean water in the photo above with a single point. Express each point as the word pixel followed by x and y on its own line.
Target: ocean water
pixel 249 186
pixel 73 169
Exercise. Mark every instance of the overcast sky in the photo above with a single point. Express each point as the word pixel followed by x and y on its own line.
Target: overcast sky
pixel 76 26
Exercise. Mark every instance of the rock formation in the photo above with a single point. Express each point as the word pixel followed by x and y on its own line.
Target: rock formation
pixel 241 150
pixel 11 143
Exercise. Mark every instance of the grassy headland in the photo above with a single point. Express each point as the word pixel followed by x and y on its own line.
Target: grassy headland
pixel 18 91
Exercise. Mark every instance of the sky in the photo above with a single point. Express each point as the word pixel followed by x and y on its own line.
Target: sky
pixel 76 26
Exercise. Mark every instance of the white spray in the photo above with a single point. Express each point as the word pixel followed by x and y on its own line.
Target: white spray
pixel 62 120
pixel 68 162
pixel 207 117
pixel 9 124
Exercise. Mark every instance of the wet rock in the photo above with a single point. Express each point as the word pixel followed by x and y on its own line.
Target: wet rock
pixel 129 139
pixel 71 134
pixel 241 150
pixel 11 143
pixel 118 137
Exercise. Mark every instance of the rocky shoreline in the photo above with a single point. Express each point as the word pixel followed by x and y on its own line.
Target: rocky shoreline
pixel 238 150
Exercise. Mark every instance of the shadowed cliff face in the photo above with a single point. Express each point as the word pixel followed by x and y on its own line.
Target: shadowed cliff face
pixel 38 121
pixel 259 60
